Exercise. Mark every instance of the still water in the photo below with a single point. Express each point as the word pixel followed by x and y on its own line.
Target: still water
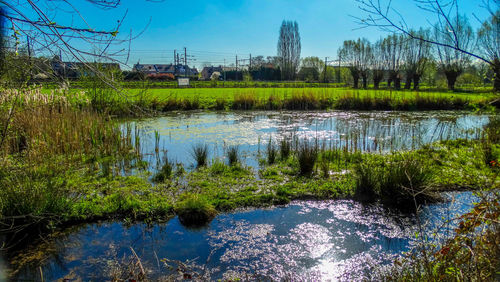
pixel 307 240
pixel 251 131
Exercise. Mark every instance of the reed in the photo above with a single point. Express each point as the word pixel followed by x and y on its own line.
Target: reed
pixel 199 152
pixel 307 155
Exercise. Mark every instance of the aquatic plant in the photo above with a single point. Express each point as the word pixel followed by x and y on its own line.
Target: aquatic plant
pixel 233 155
pixel 307 154
pixel 199 152
pixel 165 172
pixel 399 180
pixel 285 148
pixel 272 152
pixel 194 210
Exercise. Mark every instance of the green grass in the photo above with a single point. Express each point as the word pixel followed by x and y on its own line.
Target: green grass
pixel 139 102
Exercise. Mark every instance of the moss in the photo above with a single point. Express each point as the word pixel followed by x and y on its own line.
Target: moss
pixel 194 210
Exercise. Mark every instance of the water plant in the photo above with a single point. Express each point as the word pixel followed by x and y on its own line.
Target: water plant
pixel 285 148
pixel 194 210
pixel 233 155
pixel 165 172
pixel 272 152
pixel 307 154
pixel 199 152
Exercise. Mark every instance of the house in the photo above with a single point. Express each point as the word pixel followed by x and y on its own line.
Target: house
pixel 177 70
pixel 77 69
pixel 207 72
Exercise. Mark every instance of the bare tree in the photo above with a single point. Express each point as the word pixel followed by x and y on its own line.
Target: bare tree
pixel 380 13
pixel 416 55
pixel 393 55
pixel 377 64
pixel 357 56
pixel 489 43
pixel 289 48
pixel 451 61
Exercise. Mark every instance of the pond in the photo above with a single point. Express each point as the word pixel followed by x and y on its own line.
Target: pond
pixel 310 240
pixel 251 131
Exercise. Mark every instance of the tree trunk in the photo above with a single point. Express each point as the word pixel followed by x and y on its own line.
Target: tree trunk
pixel 376 82
pixel 355 79
pixel 397 83
pixel 409 78
pixel 416 81
pixel 365 81
pixel 377 78
pixel 451 77
pixel 496 75
pixel 389 82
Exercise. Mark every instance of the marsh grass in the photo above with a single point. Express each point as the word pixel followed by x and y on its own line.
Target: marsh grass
pixel 233 157
pixel 199 152
pixel 285 148
pixel 165 172
pixel 307 155
pixel 272 152
pixel 194 210
pixel 400 180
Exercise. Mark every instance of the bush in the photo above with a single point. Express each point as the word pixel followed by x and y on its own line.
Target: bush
pixel 165 173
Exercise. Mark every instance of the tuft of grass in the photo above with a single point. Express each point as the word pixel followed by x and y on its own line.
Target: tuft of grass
pixel 166 171
pixel 199 152
pixel 307 154
pixel 272 152
pixel 233 155
pixel 400 180
pixel 285 149
pixel 194 210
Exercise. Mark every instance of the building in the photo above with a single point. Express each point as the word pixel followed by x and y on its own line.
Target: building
pixel 207 72
pixel 176 70
pixel 77 69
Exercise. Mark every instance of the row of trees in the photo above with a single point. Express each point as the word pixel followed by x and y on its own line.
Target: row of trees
pixel 400 57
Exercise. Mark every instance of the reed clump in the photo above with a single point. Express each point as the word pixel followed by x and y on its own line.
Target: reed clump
pixel 199 152
pixel 233 153
pixel 307 155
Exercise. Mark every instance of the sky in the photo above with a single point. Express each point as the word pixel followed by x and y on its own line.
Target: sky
pixel 221 29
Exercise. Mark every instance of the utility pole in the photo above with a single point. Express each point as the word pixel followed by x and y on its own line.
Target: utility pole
pixel 325 70
pixel 338 71
pixel 185 56
pixel 250 63
pixel 224 70
pixel 236 65
pixel 175 56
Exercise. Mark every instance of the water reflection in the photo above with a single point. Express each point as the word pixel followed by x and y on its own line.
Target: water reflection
pixel 367 131
pixel 339 240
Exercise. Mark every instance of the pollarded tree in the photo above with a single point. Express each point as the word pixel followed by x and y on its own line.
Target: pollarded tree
pixel 377 64
pixel 357 55
pixel 289 49
pixel 452 62
pixel 392 53
pixel 416 55
pixel 489 43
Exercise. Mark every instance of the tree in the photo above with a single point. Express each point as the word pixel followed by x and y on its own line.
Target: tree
pixel 289 49
pixel 310 68
pixel 416 55
pixel 357 55
pixel 381 14
pixel 377 64
pixel 452 62
pixel 392 53
pixel 489 43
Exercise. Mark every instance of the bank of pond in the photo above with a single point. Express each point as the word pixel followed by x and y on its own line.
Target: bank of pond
pixel 342 194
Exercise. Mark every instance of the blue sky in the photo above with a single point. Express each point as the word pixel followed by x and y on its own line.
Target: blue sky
pixel 216 30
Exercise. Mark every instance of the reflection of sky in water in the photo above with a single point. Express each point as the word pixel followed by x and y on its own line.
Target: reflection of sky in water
pixel 323 240
pixel 368 131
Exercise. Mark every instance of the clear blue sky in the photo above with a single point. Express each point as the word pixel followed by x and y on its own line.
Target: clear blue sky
pixel 214 30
